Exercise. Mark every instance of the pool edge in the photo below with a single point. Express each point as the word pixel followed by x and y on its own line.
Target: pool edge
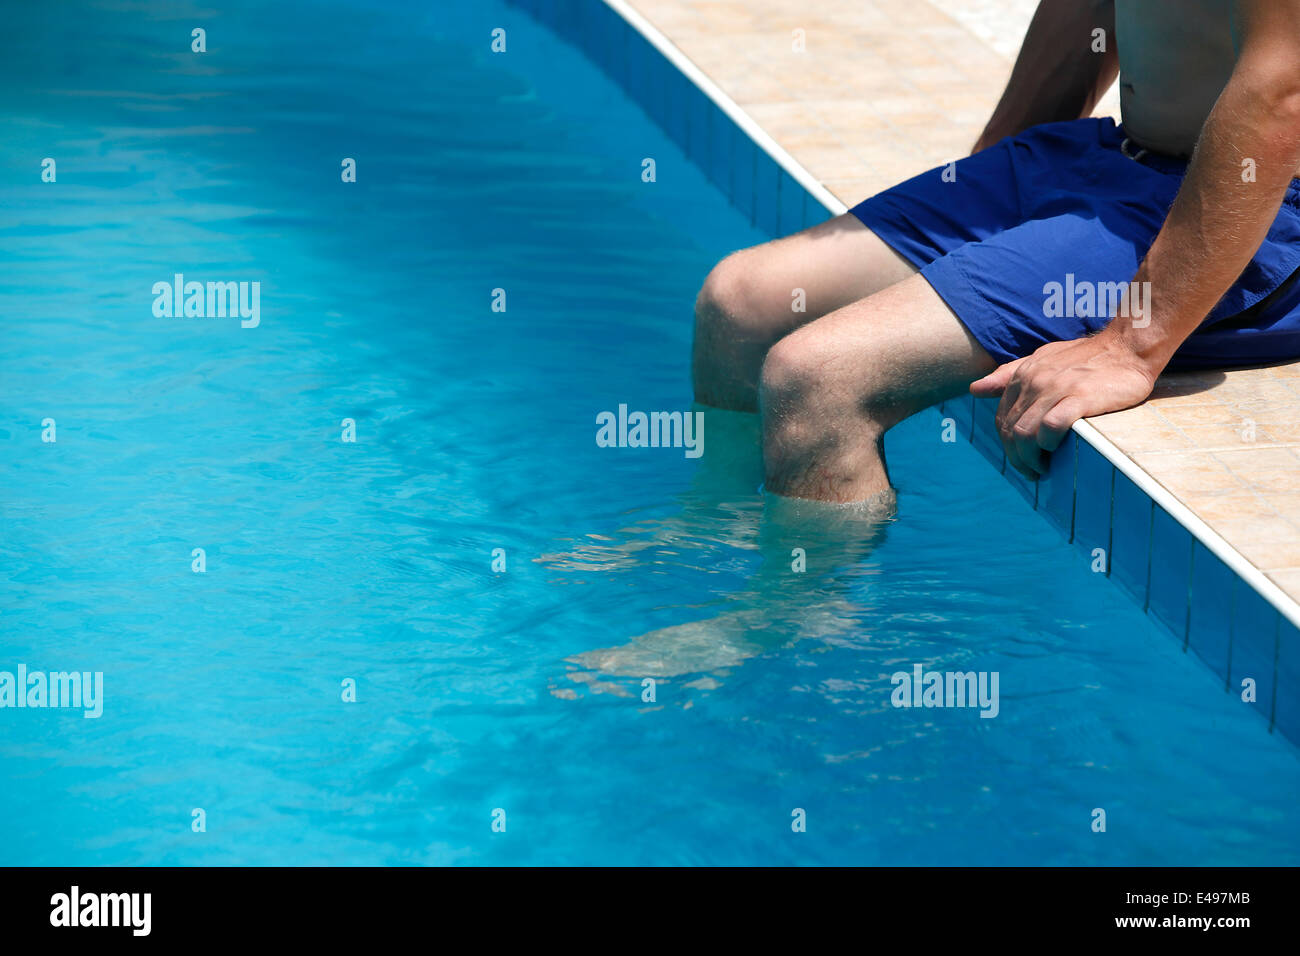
pixel 1159 565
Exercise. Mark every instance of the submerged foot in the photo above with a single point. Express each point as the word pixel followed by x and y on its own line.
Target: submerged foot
pixel 713 644
pixel 809 549
pixel 795 594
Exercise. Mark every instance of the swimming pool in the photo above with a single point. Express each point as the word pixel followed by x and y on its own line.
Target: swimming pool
pixel 516 688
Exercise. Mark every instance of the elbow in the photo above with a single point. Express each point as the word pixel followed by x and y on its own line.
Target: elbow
pixel 1272 88
pixel 1280 102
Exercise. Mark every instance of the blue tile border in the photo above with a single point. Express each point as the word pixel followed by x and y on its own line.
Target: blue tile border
pixel 960 411
pixel 767 184
pixel 1056 488
pixel 1094 487
pixel 1169 579
pixel 722 151
pixel 1286 706
pixel 1256 627
pixel 1131 514
pixel 1170 569
pixel 743 194
pixel 1210 609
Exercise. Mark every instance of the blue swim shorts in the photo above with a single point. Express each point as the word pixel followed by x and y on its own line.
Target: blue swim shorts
pixel 1063 208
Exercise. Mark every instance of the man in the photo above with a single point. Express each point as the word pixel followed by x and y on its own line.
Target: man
pixel 948 282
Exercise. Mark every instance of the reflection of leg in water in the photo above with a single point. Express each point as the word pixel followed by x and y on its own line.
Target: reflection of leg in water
pixel 720 508
pixel 809 550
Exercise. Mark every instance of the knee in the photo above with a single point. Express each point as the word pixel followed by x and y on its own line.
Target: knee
pixel 809 394
pixel 790 376
pixel 724 309
pixel 796 393
pixel 729 339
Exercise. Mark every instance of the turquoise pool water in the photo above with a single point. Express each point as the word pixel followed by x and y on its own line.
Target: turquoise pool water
pixel 372 561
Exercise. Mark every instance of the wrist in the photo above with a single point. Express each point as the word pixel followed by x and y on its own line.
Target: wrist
pixel 1139 343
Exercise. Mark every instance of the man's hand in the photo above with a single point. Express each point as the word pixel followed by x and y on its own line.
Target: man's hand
pixel 1045 393
pixel 1217 223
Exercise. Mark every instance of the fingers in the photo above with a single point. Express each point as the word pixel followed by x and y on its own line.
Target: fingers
pixel 1044 394
pixel 1016 398
pixel 1033 416
pixel 1056 424
pixel 1021 439
pixel 1024 405
pixel 1039 431
pixel 992 384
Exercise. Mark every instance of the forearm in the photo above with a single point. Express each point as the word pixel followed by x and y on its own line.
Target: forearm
pixel 1057 75
pixel 1222 213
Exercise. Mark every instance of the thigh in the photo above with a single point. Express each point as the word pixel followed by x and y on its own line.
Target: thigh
pixel 884 357
pixel 755 297
pixel 775 287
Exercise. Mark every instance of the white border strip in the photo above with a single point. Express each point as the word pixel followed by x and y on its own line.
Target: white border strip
pixel 1211 539
pixel 725 103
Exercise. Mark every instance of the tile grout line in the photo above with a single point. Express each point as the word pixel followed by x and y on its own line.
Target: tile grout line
pixel 1214 542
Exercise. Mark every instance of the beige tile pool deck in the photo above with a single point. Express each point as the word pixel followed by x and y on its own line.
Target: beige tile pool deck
pixel 884 89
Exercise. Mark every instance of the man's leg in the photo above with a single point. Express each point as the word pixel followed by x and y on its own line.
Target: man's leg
pixel 831 389
pixel 747 302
